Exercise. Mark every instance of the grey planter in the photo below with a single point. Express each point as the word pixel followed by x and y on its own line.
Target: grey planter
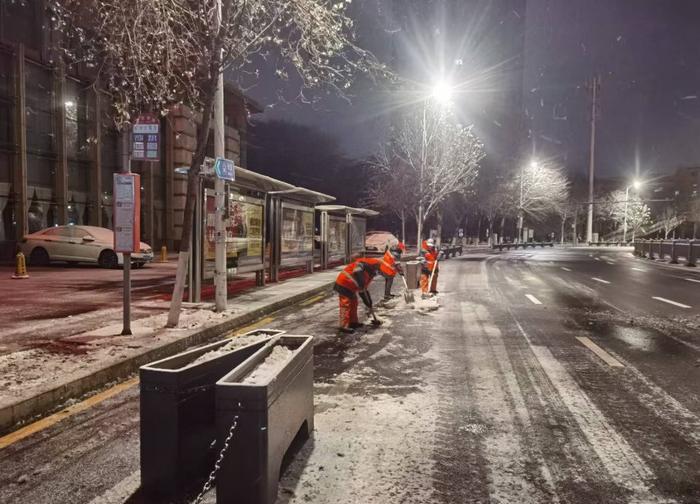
pixel 178 423
pixel 270 416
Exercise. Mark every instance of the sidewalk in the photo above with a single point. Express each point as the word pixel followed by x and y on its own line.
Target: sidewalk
pixel 41 372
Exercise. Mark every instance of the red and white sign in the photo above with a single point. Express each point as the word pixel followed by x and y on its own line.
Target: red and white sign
pixel 127 212
pixel 145 138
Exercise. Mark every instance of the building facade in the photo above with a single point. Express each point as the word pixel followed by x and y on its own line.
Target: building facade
pixel 59 147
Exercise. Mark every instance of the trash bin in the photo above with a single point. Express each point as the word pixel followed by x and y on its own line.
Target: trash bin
pixel 177 412
pixel 269 412
pixel 413 274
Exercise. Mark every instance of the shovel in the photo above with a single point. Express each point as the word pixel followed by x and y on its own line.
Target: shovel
pixel 375 320
pixel 407 295
pixel 432 274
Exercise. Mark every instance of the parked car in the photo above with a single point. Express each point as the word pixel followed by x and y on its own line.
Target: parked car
pixel 379 241
pixel 78 244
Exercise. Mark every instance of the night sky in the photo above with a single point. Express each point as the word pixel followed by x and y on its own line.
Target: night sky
pixel 521 68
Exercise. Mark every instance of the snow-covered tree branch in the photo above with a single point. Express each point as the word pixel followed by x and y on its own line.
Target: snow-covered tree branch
pixel 149 55
pixel 436 156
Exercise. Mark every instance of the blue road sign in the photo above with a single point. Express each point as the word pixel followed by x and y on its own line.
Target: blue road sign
pixel 225 169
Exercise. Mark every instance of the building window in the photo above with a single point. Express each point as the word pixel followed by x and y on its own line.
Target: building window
pixel 41 134
pixel 20 22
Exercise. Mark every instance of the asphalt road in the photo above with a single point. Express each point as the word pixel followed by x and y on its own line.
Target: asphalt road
pixel 554 375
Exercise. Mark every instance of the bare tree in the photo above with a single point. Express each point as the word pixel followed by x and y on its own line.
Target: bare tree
pixel 638 217
pixel 538 190
pixel 153 54
pixel 669 219
pixel 440 158
pixel 391 188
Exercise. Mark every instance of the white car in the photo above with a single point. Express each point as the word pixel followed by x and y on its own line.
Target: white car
pixel 78 244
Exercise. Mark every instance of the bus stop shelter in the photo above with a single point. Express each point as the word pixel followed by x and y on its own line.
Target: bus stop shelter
pixel 292 229
pixel 269 226
pixel 342 233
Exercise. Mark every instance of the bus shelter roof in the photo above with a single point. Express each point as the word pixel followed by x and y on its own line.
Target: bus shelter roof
pixel 365 212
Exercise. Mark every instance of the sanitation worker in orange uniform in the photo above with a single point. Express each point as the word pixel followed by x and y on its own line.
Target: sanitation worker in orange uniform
pixel 392 257
pixel 353 280
pixel 428 260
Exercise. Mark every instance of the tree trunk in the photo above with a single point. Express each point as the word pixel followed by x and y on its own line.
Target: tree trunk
pixel 503 225
pixel 419 226
pixel 438 238
pixel 520 226
pixel 188 217
pixel 563 228
pixel 403 226
pixel 478 230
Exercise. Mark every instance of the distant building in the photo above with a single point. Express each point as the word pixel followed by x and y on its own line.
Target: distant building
pixel 59 149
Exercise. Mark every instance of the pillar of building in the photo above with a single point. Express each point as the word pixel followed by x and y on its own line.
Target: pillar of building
pixel 61 165
pixel 19 175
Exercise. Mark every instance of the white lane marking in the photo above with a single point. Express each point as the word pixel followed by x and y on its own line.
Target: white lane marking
pixel 565 268
pixel 597 258
pixel 600 280
pixel 610 263
pixel 508 453
pixel 693 280
pixel 533 299
pixel 639 269
pixel 664 300
pixel 623 464
pixel 609 359
pixel 121 491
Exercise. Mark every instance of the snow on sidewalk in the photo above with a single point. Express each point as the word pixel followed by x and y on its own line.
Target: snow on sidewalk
pixel 42 364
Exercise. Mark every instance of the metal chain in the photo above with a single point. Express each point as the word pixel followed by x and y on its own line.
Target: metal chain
pixel 217 464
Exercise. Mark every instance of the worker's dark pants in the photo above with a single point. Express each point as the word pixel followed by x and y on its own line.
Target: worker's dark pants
pixel 387 286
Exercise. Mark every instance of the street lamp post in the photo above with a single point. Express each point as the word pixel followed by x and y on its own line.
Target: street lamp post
pixel 442 94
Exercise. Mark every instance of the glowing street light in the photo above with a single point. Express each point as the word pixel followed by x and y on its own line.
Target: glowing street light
pixel 442 92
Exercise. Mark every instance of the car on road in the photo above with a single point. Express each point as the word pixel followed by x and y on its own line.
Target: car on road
pixel 78 244
pixel 379 241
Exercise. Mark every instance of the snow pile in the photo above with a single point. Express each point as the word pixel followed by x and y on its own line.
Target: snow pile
pixel 268 368
pixel 235 343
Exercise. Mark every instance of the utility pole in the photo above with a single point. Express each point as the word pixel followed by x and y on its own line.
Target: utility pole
pixel 593 87
pixel 220 274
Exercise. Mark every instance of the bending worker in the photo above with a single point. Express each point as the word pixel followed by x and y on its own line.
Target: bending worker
pixel 353 280
pixel 392 257
pixel 429 263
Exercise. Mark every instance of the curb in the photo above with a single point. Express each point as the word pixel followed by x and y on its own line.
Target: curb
pixel 14 415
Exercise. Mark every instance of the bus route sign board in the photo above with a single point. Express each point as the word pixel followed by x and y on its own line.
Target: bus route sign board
pixel 145 138
pixel 127 212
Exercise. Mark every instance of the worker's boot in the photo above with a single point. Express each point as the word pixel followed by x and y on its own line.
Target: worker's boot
pixel 356 325
pixel 346 330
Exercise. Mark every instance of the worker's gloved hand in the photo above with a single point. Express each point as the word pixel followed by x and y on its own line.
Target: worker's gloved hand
pixel 366 299
pixel 401 273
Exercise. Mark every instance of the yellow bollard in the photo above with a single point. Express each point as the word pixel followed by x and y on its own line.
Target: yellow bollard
pixel 20 267
pixel 164 254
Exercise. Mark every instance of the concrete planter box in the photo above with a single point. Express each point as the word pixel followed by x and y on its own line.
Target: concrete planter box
pixel 270 415
pixel 178 416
